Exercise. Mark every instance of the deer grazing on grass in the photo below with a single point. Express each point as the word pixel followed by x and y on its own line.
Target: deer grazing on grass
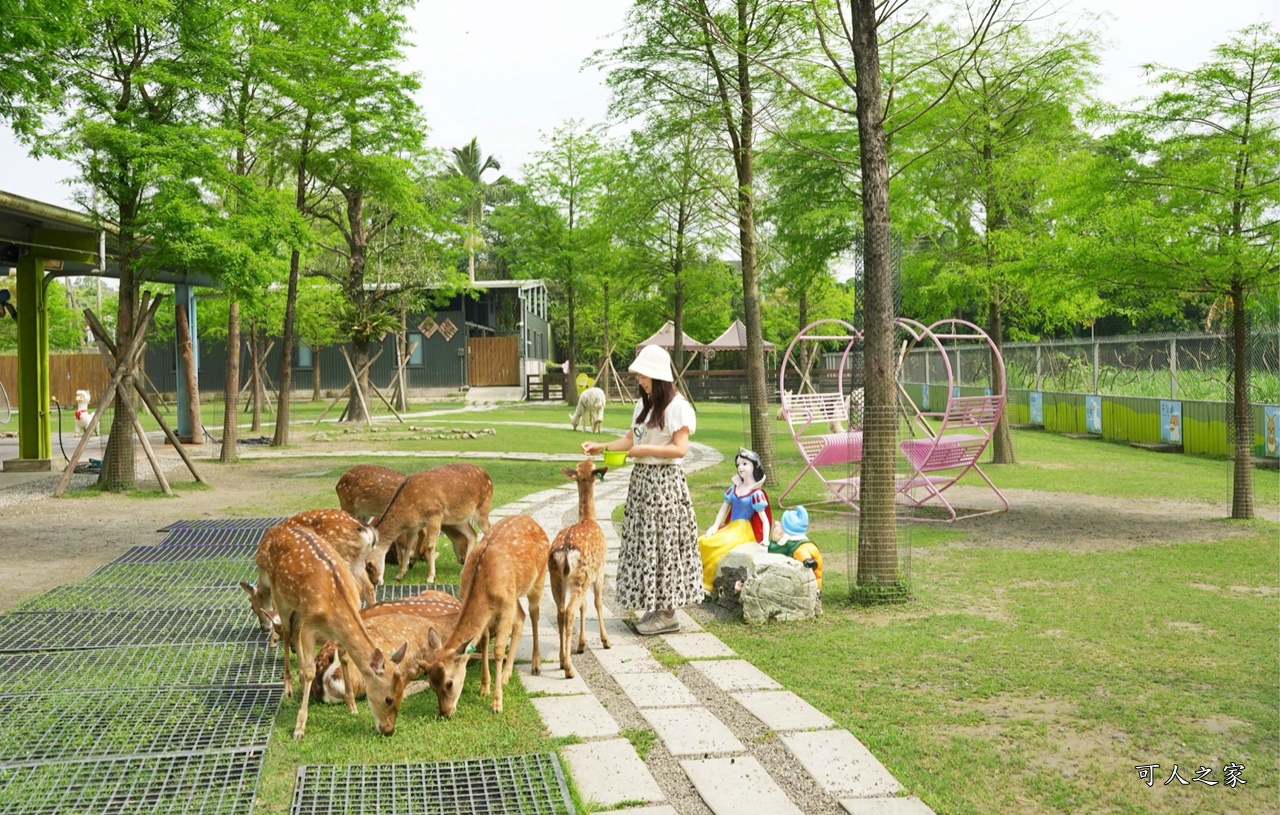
pixel 365 490
pixel 315 595
pixel 431 610
pixel 352 540
pixel 576 563
pixel 509 562
pixel 449 498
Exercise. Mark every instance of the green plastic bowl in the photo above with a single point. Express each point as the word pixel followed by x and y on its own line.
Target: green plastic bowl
pixel 615 458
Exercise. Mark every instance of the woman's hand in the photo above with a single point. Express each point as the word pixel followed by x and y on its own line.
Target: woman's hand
pixel 591 448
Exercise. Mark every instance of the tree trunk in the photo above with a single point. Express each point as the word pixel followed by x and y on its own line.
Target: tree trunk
pixel 1242 489
pixel 359 358
pixel 1001 438
pixel 571 385
pixel 315 374
pixel 231 388
pixel 255 377
pixel 187 364
pixel 117 473
pixel 287 338
pixel 877 525
pixel 744 162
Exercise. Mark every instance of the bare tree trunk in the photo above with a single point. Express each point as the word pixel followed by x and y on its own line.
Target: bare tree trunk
pixel 877 525
pixel 255 377
pixel 1242 489
pixel 315 374
pixel 117 473
pixel 187 360
pixel 1001 438
pixel 231 388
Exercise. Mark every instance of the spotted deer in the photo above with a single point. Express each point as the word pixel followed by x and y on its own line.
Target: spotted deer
pixel 316 596
pixel 576 563
pixel 365 490
pixel 449 498
pixel 508 563
pixel 435 609
pixel 352 540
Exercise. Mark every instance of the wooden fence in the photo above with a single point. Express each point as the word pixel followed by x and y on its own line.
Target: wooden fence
pixel 68 373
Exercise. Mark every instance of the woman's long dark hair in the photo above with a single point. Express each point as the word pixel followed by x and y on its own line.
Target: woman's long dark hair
pixel 654 404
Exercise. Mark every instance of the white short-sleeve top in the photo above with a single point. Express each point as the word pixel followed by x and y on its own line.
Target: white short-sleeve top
pixel 677 415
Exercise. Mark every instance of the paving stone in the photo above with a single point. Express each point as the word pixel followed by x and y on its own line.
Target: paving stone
pixel 687 624
pixel 620 633
pixel 628 659
pixel 655 690
pixel 691 731
pixel 658 810
pixel 551 681
pixel 733 675
pixel 883 806
pixel 609 772
pixel 841 764
pixel 782 710
pixel 698 646
pixel 582 716
pixel 737 786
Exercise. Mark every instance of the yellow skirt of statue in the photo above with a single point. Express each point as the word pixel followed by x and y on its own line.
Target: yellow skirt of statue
pixel 715 546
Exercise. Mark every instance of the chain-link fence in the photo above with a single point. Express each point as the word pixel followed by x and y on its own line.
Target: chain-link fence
pixel 1166 366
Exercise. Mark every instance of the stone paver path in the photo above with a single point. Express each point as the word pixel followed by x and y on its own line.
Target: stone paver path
pixel 727 777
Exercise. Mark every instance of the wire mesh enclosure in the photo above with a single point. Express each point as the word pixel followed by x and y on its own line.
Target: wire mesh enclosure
pixel 511 785
pixel 70 630
pixel 397 591
pixel 219 571
pixel 212 784
pixel 150 666
pixel 112 597
pixel 79 724
pixel 223 523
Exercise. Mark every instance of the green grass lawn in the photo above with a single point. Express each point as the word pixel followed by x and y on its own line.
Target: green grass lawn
pixel 1015 681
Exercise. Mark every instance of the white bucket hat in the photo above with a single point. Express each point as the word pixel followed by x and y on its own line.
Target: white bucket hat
pixel 653 362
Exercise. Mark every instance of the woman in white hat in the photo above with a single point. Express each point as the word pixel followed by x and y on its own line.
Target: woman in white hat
pixel 658 565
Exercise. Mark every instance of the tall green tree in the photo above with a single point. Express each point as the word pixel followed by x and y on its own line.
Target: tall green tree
pixel 707 55
pixel 30 77
pixel 469 166
pixel 1190 207
pixel 138 135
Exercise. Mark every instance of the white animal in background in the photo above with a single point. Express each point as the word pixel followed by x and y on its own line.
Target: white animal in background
pixel 590 409
pixel 84 416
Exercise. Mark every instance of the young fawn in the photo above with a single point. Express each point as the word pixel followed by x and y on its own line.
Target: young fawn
pixel 448 498
pixel 315 595
pixel 434 609
pixel 576 563
pixel 349 537
pixel 509 562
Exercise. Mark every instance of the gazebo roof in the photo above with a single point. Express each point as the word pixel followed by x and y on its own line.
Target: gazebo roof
pixel 665 337
pixel 734 338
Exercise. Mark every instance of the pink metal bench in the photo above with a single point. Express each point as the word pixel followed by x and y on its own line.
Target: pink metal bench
pixel 819 425
pixel 939 461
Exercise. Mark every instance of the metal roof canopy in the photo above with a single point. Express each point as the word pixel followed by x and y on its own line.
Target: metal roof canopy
pixel 70 242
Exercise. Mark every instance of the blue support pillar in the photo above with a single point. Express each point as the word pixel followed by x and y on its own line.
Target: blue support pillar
pixel 34 445
pixel 185 296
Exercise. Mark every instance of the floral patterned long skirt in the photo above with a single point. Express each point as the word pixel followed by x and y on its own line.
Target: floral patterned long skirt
pixel 658 563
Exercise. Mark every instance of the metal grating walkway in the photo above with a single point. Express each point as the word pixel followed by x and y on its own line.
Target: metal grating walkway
pixel 221 571
pixel 211 784
pixel 111 597
pixel 512 785
pixel 36 728
pixel 148 666
pixel 398 591
pixel 241 537
pixel 72 630
pixel 224 523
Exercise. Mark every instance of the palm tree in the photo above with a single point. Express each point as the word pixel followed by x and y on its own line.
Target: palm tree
pixel 467 164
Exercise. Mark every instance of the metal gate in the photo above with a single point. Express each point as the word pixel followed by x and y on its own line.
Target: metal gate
pixel 493 361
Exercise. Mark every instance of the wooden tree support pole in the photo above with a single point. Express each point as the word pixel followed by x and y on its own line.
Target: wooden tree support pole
pixel 343 393
pixel 355 383
pixel 101 334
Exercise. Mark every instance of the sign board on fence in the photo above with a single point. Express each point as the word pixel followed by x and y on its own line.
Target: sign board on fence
pixel 1271 418
pixel 924 396
pixel 1170 421
pixel 1093 414
pixel 1037 407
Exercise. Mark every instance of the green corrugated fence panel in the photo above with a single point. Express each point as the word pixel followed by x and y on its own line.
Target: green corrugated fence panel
pixel 1063 412
pixel 1017 406
pixel 1131 418
pixel 915 392
pixel 1204 428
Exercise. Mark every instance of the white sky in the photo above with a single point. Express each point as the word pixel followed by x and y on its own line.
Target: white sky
pixel 509 71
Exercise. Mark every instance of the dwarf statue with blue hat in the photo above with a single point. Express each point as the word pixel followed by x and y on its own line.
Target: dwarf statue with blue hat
pixel 790 537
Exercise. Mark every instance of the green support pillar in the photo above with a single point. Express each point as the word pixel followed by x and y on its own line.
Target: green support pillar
pixel 34 447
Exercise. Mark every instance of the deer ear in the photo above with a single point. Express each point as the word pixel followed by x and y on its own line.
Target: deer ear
pixel 377 663
pixel 247 587
pixel 433 640
pixel 399 654
pixel 600 473
pixel 569 473
pixel 466 648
